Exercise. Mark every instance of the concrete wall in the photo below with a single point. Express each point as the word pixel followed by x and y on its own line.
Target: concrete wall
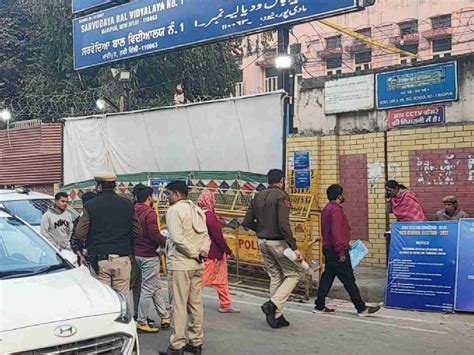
pixel 310 117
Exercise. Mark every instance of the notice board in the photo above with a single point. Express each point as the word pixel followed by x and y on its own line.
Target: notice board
pixel 422 266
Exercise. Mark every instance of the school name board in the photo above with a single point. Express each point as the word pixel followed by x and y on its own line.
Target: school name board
pixel 417 86
pixel 148 26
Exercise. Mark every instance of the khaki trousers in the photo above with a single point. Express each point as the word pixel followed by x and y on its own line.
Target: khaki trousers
pixel 185 300
pixel 115 272
pixel 282 271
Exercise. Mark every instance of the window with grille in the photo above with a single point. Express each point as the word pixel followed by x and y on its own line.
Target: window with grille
pixel 442 21
pixel 408 27
pixel 412 48
pixel 363 57
pixel 334 62
pixel 334 42
pixel 442 44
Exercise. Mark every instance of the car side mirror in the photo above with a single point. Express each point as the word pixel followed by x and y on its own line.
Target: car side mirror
pixel 69 256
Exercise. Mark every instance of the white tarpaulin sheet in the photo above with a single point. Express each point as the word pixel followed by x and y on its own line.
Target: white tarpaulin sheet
pixel 239 134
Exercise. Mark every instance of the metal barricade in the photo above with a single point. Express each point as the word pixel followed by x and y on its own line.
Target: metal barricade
pixel 247 269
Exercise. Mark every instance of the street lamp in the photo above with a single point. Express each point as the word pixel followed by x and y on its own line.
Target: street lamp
pixel 5 115
pixel 100 103
pixel 284 62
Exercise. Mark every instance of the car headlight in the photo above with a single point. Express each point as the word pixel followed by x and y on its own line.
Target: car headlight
pixel 125 312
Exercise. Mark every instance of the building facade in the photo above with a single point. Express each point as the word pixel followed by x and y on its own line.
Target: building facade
pixel 432 29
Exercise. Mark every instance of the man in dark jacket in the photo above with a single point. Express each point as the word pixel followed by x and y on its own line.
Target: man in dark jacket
pixel 336 244
pixel 109 223
pixel 149 262
pixel 268 214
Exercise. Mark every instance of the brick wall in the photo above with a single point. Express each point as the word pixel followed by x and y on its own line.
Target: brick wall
pixel 353 171
pixel 442 156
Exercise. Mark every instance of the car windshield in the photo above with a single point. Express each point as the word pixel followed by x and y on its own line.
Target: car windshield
pixel 24 253
pixel 30 211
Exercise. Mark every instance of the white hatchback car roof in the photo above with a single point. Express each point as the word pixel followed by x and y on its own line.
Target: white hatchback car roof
pixel 14 195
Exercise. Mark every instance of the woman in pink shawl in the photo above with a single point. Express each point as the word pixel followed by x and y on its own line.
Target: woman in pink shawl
pixel 215 267
pixel 404 204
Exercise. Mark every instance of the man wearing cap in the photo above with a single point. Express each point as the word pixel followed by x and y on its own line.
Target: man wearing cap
pixel 451 210
pixel 187 248
pixel 109 224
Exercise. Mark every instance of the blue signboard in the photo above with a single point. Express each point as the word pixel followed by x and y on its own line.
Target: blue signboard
pixel 148 26
pixel 83 5
pixel 301 160
pixel 422 266
pixel 465 267
pixel 302 179
pixel 417 86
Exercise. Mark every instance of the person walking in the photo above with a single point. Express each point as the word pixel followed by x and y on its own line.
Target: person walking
pixel 109 224
pixel 57 224
pixel 215 267
pixel 187 247
pixel 268 215
pixel 451 211
pixel 403 203
pixel 149 262
pixel 337 262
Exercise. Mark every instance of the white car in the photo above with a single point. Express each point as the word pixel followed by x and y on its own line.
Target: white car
pixel 28 205
pixel 48 306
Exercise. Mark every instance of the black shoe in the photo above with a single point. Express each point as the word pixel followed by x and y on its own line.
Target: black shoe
pixel 150 321
pixel 282 322
pixel 324 310
pixel 170 351
pixel 188 348
pixel 269 309
pixel 369 311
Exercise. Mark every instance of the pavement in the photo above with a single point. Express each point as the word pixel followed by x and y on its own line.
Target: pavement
pixel 370 280
pixel 389 332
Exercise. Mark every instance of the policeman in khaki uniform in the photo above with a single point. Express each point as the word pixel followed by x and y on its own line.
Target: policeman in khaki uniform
pixel 268 215
pixel 187 248
pixel 109 224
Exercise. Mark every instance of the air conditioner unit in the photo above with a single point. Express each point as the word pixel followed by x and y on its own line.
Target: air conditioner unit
pixel 408 61
pixel 441 55
pixel 362 67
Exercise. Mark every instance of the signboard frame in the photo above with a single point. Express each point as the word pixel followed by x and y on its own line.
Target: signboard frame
pixel 465 267
pixel 78 45
pixel 381 79
pixel 423 260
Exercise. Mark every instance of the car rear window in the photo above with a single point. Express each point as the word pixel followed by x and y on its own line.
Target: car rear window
pixel 30 211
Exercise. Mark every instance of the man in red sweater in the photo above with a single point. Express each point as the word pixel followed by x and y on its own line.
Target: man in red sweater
pixel 149 261
pixel 336 245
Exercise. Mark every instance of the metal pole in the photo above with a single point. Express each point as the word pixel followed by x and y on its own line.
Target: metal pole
pixel 284 83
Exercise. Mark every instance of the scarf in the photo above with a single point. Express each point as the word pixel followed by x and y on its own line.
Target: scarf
pixel 207 200
pixel 407 208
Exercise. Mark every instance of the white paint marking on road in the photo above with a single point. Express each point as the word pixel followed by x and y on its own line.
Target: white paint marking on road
pixel 343 318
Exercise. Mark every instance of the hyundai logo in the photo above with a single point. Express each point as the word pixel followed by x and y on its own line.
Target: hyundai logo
pixel 65 331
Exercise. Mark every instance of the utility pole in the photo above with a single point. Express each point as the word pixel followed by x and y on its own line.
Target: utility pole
pixel 284 84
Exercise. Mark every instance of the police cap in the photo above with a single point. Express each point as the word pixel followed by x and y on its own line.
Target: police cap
pixel 105 177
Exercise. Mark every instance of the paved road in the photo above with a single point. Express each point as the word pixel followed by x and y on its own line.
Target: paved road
pixel 391 332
